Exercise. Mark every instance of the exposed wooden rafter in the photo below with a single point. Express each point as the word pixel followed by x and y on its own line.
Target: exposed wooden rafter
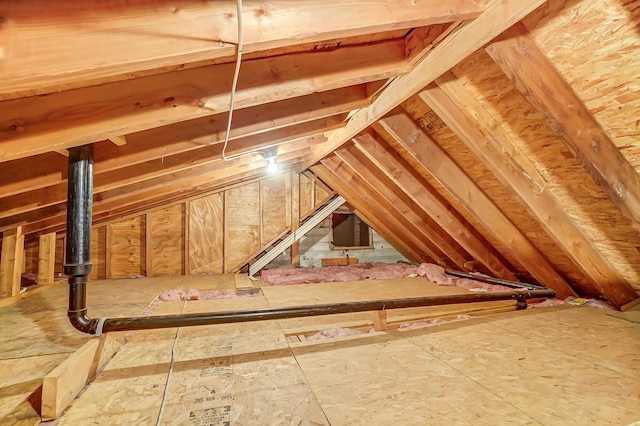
pixel 467 38
pixel 470 121
pixel 163 38
pixel 546 89
pixel 367 212
pixel 430 233
pixel 442 167
pixel 95 113
pixel 434 205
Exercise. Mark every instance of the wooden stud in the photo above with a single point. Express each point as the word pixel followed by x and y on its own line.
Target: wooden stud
pixel 447 172
pixel 463 114
pixel 546 89
pixel 295 215
pixel 148 246
pixel 47 258
pixel 187 237
pixel 11 262
pixel 108 242
pixel 380 320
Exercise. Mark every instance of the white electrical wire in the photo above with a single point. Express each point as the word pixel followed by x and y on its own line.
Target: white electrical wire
pixel 234 84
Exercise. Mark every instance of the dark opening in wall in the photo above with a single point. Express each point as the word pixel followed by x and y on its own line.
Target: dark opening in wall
pixel 348 231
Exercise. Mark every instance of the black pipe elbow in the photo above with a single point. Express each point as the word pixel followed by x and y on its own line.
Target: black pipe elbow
pixel 82 322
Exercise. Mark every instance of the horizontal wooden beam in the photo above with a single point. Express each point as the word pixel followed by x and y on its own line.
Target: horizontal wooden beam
pixel 464 40
pixel 47 169
pixel 452 177
pixel 57 41
pixel 305 133
pixel 76 117
pixel 138 199
pixel 546 89
pixel 468 119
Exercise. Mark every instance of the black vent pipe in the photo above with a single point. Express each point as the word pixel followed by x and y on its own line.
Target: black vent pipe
pixel 78 266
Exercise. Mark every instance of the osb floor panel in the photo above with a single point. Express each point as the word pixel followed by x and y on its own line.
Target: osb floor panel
pixel 568 365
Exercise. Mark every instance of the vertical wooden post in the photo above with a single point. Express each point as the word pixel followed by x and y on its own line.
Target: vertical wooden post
pixel 11 262
pixel 108 239
pixel 295 216
pixel 47 258
pixel 187 217
pixel 147 245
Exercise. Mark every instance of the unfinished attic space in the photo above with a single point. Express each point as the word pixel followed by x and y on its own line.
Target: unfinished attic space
pixel 320 212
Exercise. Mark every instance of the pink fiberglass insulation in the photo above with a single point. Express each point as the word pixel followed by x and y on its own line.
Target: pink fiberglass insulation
pixel 405 325
pixel 288 275
pixel 179 294
pixel 223 294
pixel 595 303
pixel 435 274
pixel 547 303
pixel 469 284
pixel 335 332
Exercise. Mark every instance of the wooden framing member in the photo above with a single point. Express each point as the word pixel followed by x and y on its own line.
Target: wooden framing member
pixel 96 113
pixel 11 262
pixel 391 164
pixel 47 258
pixel 462 113
pixel 386 211
pixel 466 39
pixel 141 198
pixel 545 88
pixel 64 383
pixel 38 198
pixel 364 210
pixel 165 38
pixel 48 169
pixel 447 172
pixel 295 215
pixel 181 179
pixel 441 243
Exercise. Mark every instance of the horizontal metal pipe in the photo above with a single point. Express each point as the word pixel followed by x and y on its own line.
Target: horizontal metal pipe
pixel 184 320
pixel 493 280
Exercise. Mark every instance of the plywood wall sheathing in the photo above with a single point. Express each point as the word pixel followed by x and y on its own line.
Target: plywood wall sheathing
pixel 127 248
pixel 98 252
pixel 206 231
pixel 242 225
pixel 46 258
pixel 273 198
pixel 307 194
pixel 167 241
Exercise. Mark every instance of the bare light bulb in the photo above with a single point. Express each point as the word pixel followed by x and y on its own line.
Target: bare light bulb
pixel 272 167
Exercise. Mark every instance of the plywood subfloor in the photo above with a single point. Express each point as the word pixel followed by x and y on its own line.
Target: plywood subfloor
pixel 553 366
